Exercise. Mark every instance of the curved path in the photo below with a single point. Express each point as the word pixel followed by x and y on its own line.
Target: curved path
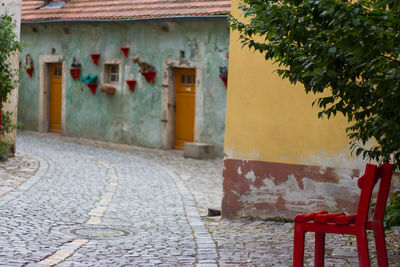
pixel 88 206
pixel 98 204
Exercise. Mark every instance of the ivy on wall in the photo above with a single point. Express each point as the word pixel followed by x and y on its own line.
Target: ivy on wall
pixel 8 46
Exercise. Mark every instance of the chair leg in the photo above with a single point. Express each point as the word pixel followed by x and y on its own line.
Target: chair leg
pixel 319 249
pixel 298 249
pixel 380 246
pixel 362 247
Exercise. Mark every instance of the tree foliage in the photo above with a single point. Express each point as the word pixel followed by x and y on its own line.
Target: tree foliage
pixel 346 52
pixel 8 45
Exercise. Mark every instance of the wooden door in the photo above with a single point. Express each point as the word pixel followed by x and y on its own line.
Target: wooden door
pixel 55 97
pixel 185 91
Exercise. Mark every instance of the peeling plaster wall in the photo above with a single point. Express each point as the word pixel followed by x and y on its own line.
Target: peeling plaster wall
pixel 267 190
pixel 126 117
pixel 280 159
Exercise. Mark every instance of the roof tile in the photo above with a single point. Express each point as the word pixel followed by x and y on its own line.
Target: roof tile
pixel 92 10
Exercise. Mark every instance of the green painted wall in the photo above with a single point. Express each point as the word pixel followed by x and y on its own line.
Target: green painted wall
pixel 133 118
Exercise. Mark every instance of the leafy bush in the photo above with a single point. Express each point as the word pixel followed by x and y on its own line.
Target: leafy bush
pixel 347 50
pixel 392 211
pixel 8 46
pixel 4 151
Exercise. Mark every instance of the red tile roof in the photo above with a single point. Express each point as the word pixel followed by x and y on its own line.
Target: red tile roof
pixel 94 10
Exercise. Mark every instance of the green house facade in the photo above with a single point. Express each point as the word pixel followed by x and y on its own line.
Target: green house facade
pixel 130 102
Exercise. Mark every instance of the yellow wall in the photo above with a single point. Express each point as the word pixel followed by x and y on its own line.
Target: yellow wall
pixel 269 119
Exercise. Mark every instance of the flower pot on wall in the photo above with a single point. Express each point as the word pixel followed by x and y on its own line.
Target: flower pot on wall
pixel 223 75
pixel 29 70
pixel 95 58
pixel 92 87
pixel 107 89
pixel 125 50
pixel 225 80
pixel 149 75
pixel 28 64
pixel 131 84
pixel 75 73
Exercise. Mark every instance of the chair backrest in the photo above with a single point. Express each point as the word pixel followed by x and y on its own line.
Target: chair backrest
pixel 367 183
pixel 384 172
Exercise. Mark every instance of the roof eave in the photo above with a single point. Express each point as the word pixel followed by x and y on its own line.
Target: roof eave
pixel 129 20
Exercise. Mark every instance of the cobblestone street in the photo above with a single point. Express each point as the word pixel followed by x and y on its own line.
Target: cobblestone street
pixel 75 202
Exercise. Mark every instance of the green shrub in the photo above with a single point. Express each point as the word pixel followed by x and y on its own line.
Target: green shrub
pixel 8 46
pixel 392 211
pixel 4 151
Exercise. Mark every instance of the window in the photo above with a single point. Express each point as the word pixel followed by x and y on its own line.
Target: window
pixel 188 79
pixel 111 73
pixel 52 4
pixel 57 71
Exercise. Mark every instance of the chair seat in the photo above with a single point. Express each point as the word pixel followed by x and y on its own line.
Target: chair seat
pixel 309 216
pixel 327 218
pixel 322 222
pixel 346 219
pixel 322 216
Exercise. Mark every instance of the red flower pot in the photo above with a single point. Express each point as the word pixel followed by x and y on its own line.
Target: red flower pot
pixel 75 73
pixel 107 89
pixel 149 75
pixel 30 71
pixel 95 58
pixel 125 50
pixel 225 80
pixel 131 84
pixel 92 87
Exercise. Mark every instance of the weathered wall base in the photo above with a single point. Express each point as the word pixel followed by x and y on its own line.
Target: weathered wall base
pixel 267 190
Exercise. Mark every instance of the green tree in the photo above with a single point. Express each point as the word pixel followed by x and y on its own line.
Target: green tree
pixel 345 52
pixel 8 46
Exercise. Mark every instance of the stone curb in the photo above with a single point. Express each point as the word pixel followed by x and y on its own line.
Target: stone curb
pixel 13 194
pixel 205 245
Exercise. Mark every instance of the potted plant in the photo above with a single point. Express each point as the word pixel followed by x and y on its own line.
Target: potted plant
pixel 29 64
pixel 95 58
pixel 131 84
pixel 125 50
pixel 75 69
pixel 91 82
pixel 223 75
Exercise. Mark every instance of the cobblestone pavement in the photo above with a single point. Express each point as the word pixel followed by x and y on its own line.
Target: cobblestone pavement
pixel 98 204
pixel 15 171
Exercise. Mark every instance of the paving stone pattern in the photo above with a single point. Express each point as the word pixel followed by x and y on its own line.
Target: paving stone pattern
pixel 158 197
pixel 15 171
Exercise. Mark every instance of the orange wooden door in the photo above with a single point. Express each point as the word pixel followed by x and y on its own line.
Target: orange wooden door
pixel 185 91
pixel 55 97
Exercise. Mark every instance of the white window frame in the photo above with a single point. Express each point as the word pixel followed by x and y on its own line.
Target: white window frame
pixel 106 75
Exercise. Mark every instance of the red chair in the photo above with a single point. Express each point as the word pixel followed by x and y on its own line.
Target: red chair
pixel 322 222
